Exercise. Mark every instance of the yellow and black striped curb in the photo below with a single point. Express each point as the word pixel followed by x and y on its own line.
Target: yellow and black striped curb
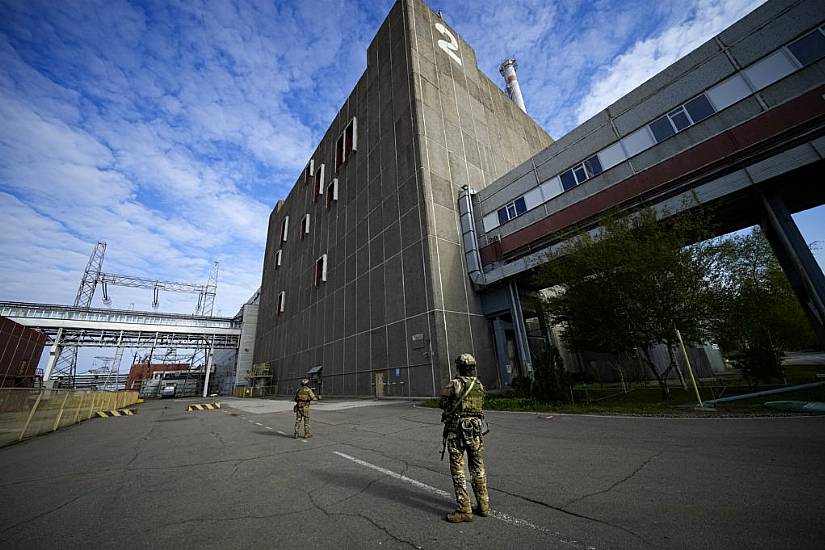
pixel 115 412
pixel 203 406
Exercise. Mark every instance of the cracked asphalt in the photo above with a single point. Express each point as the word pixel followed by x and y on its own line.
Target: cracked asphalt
pixel 371 478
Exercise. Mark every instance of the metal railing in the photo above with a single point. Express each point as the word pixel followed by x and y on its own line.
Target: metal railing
pixel 26 412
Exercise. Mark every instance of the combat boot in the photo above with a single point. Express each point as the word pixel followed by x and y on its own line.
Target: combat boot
pixel 295 435
pixel 482 510
pixel 307 436
pixel 459 516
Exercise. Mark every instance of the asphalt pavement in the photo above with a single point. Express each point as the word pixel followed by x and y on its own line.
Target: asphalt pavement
pixel 371 478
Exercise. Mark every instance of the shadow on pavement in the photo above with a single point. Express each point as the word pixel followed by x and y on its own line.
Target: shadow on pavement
pixel 364 484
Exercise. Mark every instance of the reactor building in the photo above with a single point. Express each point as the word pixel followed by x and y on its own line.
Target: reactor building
pixel 364 272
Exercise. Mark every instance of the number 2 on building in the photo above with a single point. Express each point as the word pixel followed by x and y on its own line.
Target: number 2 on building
pixel 450 47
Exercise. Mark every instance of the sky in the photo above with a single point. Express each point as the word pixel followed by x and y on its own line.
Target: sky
pixel 170 129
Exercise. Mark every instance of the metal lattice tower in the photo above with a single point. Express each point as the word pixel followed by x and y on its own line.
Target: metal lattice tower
pixel 206 301
pixel 91 276
pixel 66 365
pixel 206 305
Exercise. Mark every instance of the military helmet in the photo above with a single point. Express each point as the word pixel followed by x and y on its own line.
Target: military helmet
pixel 305 382
pixel 465 362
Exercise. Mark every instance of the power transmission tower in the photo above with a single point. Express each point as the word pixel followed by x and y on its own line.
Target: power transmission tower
pixel 206 305
pixel 65 368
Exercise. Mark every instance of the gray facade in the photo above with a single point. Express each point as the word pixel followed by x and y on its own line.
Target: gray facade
pixel 396 304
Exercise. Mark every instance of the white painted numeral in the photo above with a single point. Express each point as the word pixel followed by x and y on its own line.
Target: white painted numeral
pixel 450 47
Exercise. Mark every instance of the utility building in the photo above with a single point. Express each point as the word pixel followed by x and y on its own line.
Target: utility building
pixel 364 272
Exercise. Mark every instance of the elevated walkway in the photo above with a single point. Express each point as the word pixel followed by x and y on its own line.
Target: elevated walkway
pixel 113 327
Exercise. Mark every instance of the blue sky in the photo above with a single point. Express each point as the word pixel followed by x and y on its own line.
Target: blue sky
pixel 169 129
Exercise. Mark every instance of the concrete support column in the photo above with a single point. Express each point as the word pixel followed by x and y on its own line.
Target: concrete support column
pixel 208 370
pixel 520 329
pixel 501 347
pixel 54 355
pixel 796 259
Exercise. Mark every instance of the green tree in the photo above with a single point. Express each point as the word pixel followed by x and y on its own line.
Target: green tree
pixel 757 315
pixel 625 291
pixel 552 382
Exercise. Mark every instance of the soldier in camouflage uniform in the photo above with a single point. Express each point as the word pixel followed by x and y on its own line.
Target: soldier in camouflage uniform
pixel 302 399
pixel 462 400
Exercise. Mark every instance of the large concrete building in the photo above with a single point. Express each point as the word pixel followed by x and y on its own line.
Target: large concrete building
pixel 412 234
pixel 364 270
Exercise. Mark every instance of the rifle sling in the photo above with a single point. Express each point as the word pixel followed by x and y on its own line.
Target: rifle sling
pixel 464 394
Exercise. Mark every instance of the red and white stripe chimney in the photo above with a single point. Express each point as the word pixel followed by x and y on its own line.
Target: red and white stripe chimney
pixel 508 71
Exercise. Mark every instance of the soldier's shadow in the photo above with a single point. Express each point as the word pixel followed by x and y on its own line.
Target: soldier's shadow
pixel 363 484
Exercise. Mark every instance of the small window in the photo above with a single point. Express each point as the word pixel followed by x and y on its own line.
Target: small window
pixel 309 171
pixel 332 192
pixel 321 270
pixel 351 137
pixel 568 180
pixel 278 256
pixel 679 118
pixel 662 129
pixel 339 153
pixel 510 211
pixel 593 166
pixel 284 229
pixel 809 48
pixel 580 173
pixel 346 144
pixel 319 182
pixel 305 226
pixel 281 300
pixel 699 108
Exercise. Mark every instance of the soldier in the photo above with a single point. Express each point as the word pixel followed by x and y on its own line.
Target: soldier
pixel 302 398
pixel 462 400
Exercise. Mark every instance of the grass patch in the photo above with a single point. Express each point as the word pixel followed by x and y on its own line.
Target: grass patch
pixel 642 401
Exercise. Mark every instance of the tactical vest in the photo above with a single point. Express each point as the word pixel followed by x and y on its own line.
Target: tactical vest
pixel 472 404
pixel 304 395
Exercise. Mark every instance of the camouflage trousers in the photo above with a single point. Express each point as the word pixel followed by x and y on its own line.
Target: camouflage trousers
pixel 301 415
pixel 467 439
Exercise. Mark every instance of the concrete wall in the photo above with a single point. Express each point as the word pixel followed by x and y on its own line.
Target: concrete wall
pixel 468 133
pixel 396 305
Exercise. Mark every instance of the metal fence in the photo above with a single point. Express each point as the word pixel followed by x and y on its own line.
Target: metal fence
pixel 26 412
pixel 258 391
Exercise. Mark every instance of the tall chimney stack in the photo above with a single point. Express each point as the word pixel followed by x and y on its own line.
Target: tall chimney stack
pixel 508 71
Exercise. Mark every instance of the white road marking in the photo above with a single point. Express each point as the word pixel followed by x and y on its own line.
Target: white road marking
pixel 506 518
pixel 280 432
pixel 268 427
pixel 257 423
